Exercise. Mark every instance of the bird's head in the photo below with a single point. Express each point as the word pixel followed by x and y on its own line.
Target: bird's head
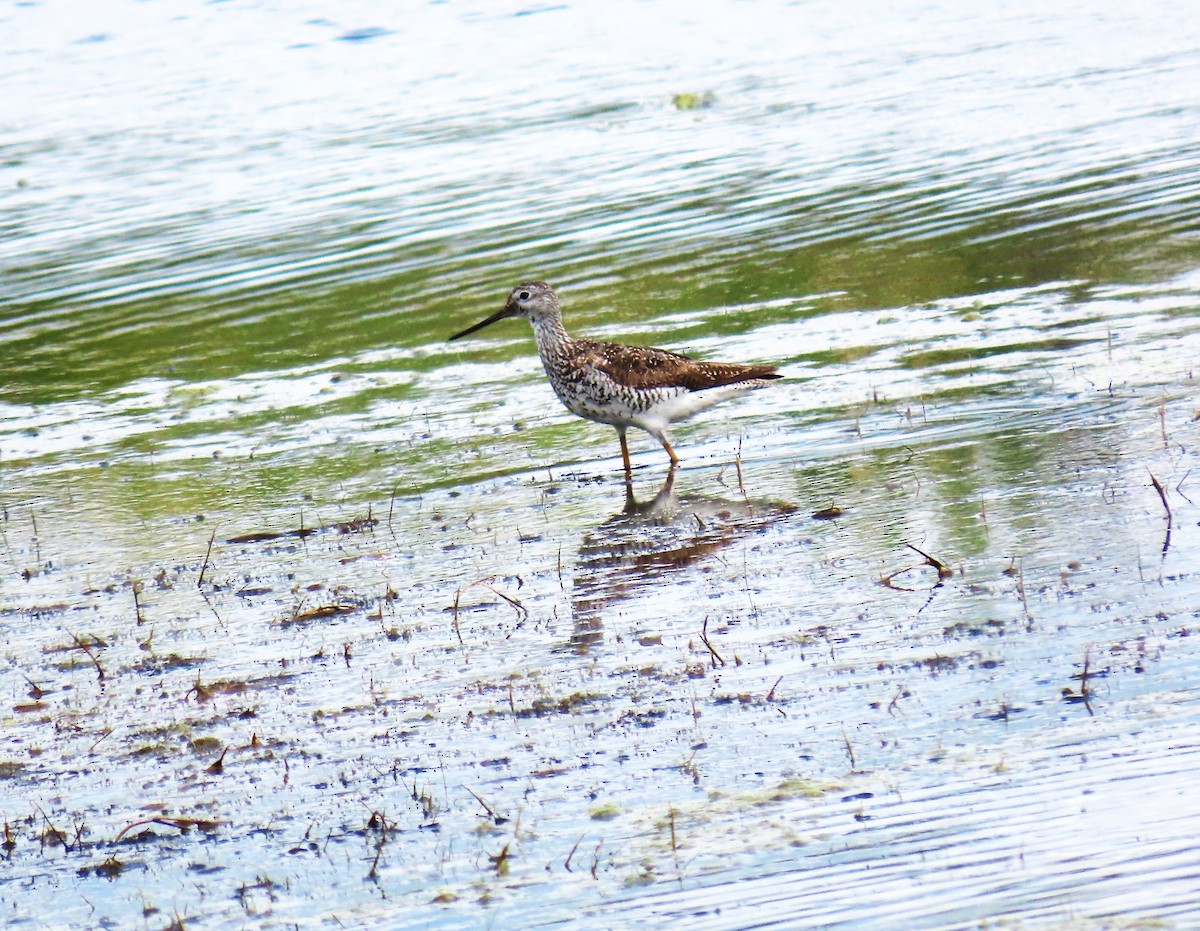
pixel 533 300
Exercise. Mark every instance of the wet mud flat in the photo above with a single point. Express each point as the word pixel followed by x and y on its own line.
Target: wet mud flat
pixel 941 675
pixel 307 618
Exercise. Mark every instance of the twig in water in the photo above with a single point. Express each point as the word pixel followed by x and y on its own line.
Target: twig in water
pixel 137 603
pixel 207 554
pixel 737 462
pixel 570 856
pixel 391 507
pixel 1014 571
pixel 849 751
pixel 51 833
pixel 212 609
pixel 1084 695
pixel 373 872
pixel 454 619
pixel 37 545
pixel 746 583
pixel 107 733
pixel 1162 495
pixel 90 655
pixel 716 657
pixel 1179 487
pixel 180 824
pixel 675 848
pixel 888 581
pixel 1084 692
pixel 943 571
pixel 491 812
pixel 522 612
pixel 4 537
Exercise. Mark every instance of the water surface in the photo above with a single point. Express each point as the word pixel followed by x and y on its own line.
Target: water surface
pixel 309 616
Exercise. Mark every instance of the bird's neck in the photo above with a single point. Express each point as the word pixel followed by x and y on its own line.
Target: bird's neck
pixel 551 336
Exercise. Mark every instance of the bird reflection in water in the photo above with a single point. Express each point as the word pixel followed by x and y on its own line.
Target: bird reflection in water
pixel 649 542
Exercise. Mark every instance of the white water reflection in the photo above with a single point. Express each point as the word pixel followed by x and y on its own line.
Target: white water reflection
pixel 218 219
pixel 992 835
pixel 156 148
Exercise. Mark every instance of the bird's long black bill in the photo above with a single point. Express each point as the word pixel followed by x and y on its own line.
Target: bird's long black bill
pixel 498 315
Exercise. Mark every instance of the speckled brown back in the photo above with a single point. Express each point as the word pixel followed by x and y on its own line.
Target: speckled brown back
pixel 643 367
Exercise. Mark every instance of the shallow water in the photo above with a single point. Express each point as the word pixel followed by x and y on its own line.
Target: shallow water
pixel 337 601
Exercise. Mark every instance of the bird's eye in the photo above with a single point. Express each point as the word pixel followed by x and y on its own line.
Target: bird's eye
pixel 524 295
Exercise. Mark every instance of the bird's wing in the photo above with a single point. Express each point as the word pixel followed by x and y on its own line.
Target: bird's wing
pixel 646 367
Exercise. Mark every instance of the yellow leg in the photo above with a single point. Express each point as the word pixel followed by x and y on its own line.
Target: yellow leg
pixel 625 456
pixel 670 452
